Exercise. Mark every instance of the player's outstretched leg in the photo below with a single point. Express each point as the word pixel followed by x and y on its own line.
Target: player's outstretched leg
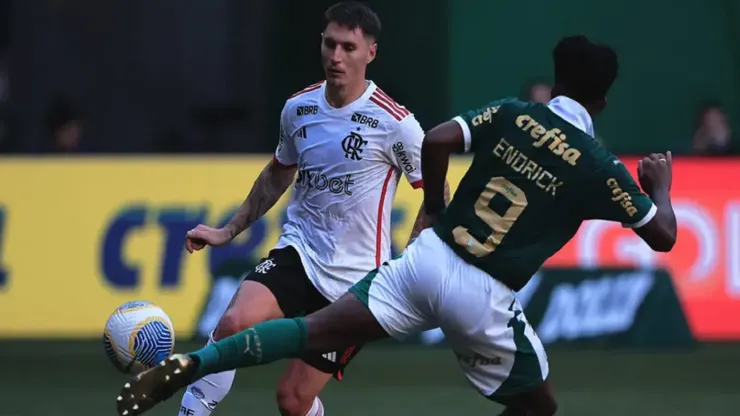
pixel 345 322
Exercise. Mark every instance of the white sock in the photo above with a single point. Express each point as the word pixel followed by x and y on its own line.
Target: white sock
pixel 317 408
pixel 202 396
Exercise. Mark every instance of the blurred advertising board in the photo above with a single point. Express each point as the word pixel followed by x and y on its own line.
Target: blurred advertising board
pixel 705 263
pixel 79 236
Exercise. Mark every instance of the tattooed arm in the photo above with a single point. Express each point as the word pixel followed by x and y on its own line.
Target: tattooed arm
pixel 422 219
pixel 270 185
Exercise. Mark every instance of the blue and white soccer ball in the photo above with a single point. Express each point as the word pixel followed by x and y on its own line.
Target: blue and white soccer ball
pixel 137 336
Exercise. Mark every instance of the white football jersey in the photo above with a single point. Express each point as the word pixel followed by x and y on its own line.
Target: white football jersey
pixel 349 162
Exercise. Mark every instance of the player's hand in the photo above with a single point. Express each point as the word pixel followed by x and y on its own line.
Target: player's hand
pixel 655 172
pixel 202 235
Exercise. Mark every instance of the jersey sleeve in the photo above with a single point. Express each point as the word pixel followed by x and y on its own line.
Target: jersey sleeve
pixel 615 196
pixel 476 123
pixel 406 150
pixel 286 153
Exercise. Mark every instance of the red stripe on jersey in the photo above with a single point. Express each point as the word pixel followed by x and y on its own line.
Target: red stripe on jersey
pixel 310 88
pixel 277 162
pixel 392 103
pixel 381 205
pixel 387 98
pixel 418 184
pixel 385 107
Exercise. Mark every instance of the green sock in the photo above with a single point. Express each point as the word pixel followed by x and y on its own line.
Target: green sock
pixel 262 344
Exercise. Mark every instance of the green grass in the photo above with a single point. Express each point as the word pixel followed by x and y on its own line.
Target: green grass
pixel 74 378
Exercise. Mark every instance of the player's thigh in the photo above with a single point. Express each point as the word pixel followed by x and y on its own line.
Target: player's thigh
pixel 333 362
pixel 496 347
pixel 275 288
pixel 252 303
pixel 299 385
pixel 402 292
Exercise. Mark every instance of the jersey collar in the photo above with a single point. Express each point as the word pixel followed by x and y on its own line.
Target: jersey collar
pixel 369 90
pixel 572 112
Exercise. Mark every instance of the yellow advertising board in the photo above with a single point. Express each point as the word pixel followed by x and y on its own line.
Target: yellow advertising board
pixel 80 236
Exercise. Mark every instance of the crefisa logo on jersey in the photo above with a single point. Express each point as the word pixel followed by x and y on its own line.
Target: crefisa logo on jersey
pixel 486 116
pixel 558 146
pixel 307 110
pixel 477 360
pixel 624 199
pixel 352 146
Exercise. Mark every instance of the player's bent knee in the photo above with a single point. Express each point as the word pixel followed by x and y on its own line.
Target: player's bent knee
pixel 253 303
pixel 229 324
pixel 292 400
pixel 235 321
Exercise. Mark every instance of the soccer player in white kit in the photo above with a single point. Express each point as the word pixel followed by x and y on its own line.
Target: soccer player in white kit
pixel 350 143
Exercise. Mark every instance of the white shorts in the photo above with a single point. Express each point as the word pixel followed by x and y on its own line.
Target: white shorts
pixel 430 286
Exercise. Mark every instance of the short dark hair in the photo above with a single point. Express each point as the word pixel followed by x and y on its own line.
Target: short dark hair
pixel 584 69
pixel 353 15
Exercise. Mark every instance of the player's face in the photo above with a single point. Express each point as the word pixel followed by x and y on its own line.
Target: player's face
pixel 345 54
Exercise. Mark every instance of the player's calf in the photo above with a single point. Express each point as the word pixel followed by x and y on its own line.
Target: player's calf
pixel 253 303
pixel 293 401
pixel 290 405
pixel 298 390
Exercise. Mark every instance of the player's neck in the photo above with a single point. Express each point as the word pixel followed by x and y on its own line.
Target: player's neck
pixel 340 96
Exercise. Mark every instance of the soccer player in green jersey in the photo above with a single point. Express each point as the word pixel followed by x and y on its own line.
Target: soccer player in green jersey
pixel 537 173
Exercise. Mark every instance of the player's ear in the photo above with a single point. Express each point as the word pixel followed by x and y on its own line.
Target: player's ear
pixel 372 52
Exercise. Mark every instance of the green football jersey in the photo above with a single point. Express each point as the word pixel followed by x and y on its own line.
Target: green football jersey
pixel 533 180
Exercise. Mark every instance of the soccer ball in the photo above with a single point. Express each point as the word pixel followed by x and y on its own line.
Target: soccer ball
pixel 137 336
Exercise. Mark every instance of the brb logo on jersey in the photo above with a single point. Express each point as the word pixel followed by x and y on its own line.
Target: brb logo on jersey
pixel 307 110
pixel 362 119
pixel 352 146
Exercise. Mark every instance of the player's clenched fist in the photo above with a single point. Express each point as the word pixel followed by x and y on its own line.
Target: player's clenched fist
pixel 655 172
pixel 203 235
